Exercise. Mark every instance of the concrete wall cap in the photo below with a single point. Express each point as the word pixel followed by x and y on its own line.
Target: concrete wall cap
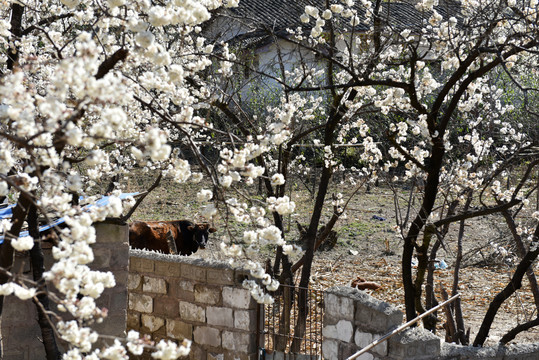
pixel 415 334
pixel 191 260
pixel 364 298
pixel 450 351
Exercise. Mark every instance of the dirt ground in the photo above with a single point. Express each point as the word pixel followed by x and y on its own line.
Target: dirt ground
pixel 369 247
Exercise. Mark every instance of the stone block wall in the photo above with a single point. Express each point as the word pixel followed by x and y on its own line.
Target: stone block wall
pixel 20 331
pixel 177 297
pixel 354 320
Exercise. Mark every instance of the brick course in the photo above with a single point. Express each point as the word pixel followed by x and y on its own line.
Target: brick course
pixel 178 297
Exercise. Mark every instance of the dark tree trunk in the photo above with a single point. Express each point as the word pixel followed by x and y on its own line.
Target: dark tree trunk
pixel 511 334
pixel 6 250
pixel 42 303
pixel 457 309
pixel 430 298
pixel 309 255
pixel 450 327
pixel 285 320
pixel 514 284
pixel 422 265
pixel 431 191
pixel 521 248
pixel 17 11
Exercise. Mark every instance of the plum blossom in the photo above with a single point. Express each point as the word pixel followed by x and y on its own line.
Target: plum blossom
pixel 204 195
pixel 115 352
pixel 282 205
pixel 209 211
pixel 168 350
pixel 312 11
pixel 277 179
pixel 257 293
pixel 4 189
pixel 270 234
pixel 82 337
pixel 327 14
pixel 336 8
pixel 23 293
pixel 134 344
pixel 145 39
pixel 23 243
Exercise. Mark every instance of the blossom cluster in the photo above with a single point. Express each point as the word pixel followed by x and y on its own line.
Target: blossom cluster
pixel 77 108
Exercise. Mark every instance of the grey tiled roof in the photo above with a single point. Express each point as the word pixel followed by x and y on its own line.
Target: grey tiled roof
pixel 277 15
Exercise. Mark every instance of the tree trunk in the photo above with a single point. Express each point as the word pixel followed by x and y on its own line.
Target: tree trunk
pixel 511 334
pixel 422 264
pixel 521 248
pixel 457 309
pixel 301 324
pixel 309 254
pixel 42 303
pixel 17 12
pixel 431 191
pixel 514 284
pixel 284 324
pixel 430 298
pixel 6 250
pixel 450 328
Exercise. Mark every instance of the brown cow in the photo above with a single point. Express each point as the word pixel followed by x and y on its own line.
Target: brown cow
pixel 152 235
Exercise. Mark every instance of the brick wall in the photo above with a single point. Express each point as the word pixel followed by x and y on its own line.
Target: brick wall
pixel 354 320
pixel 176 297
pixel 19 329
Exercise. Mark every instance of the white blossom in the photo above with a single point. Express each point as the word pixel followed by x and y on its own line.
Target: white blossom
pixel 23 243
pixel 312 11
pixel 134 344
pixel 23 293
pixel 168 350
pixel 277 179
pixel 204 195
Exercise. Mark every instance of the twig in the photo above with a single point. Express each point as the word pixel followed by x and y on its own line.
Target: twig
pixel 141 198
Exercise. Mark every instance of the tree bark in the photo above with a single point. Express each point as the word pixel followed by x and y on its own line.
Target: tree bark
pixel 431 191
pixel 6 250
pixel 457 309
pixel 451 329
pixel 422 264
pixel 17 12
pixel 521 248
pixel 514 284
pixel 42 302
pixel 285 320
pixel 511 334
pixel 430 298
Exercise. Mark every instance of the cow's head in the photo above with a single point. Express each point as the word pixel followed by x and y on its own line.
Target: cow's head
pixel 201 233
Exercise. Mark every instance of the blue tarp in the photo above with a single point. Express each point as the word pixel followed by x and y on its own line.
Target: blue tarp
pixel 7 213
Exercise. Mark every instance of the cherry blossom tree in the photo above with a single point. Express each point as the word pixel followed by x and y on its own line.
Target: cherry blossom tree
pixel 85 88
pixel 423 97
